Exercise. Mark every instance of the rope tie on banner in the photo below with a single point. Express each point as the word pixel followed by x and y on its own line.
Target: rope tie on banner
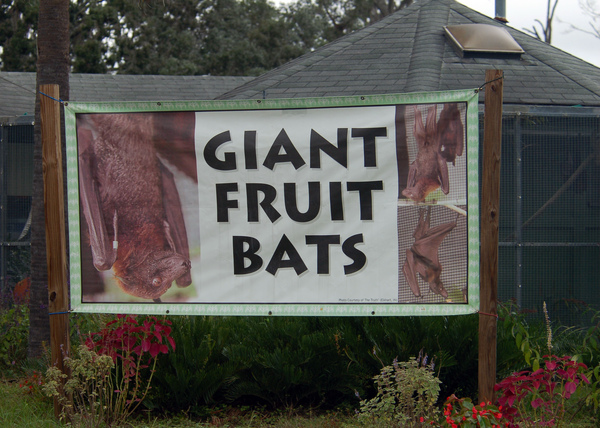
pixel 490 315
pixel 52 98
pixel 489 81
pixel 60 313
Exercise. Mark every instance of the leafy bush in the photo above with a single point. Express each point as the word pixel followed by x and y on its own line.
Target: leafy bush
pixel 14 328
pixel 290 361
pixel 191 376
pixel 540 396
pixel 87 393
pixel 406 393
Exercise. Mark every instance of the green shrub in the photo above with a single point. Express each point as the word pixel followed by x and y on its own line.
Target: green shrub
pixel 190 376
pixel 86 395
pixel 14 329
pixel 407 393
pixel 290 361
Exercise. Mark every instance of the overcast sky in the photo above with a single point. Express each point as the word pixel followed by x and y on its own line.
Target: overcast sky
pixel 521 14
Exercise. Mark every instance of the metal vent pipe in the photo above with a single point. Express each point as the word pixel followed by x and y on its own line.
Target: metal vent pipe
pixel 501 11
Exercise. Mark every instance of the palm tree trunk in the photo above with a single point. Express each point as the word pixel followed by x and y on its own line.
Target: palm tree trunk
pixel 53 66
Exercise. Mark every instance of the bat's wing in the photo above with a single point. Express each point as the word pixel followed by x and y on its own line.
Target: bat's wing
pixel 174 140
pixel 175 229
pixel 104 249
pixel 427 246
pixel 410 273
pixel 451 132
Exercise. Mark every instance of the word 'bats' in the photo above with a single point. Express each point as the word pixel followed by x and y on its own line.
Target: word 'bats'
pixel 131 205
pixel 422 257
pixel 438 142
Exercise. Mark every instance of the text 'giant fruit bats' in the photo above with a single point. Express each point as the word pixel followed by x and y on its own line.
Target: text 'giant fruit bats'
pixel 131 205
pixel 422 257
pixel 438 142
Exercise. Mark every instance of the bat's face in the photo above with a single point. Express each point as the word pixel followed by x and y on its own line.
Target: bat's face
pixel 421 189
pixel 151 277
pixel 438 287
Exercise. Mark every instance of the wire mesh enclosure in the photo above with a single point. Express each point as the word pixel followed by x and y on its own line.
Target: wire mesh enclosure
pixel 16 177
pixel 549 234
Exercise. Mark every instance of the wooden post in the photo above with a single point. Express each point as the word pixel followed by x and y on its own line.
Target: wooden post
pixel 489 216
pixel 56 249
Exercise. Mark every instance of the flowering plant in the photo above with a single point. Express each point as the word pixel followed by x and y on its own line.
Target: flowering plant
pixel 406 393
pixel 133 346
pixel 32 383
pixel 540 395
pixel 108 380
pixel 460 412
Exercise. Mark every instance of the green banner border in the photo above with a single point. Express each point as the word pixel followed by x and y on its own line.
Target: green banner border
pixel 470 96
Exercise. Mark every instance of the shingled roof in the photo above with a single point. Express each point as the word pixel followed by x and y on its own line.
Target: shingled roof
pixel 409 52
pixel 18 89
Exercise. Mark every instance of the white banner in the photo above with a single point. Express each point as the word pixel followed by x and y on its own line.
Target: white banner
pixel 341 206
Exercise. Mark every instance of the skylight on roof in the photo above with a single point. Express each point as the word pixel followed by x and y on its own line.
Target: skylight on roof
pixel 482 38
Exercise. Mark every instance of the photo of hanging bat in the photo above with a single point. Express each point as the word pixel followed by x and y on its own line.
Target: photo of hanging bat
pixel 422 257
pixel 438 142
pixel 131 205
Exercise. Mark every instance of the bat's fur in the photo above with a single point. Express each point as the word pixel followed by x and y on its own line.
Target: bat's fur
pixel 450 129
pixel 118 157
pixel 438 143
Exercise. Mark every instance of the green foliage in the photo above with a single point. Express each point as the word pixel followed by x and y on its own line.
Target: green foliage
pixel 406 393
pixel 452 341
pixel 191 375
pixel 345 16
pixel 589 353
pixel 290 361
pixel 18 24
pixel 93 25
pixel 18 264
pixel 14 328
pixel 187 37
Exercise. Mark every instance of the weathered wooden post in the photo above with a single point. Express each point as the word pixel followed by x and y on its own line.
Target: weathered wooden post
pixel 56 247
pixel 489 220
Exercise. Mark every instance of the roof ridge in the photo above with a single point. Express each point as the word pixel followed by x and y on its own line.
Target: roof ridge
pixel 427 53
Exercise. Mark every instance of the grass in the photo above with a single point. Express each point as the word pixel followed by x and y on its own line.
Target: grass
pixel 19 409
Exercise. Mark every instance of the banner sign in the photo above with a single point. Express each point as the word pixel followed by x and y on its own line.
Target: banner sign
pixel 318 206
